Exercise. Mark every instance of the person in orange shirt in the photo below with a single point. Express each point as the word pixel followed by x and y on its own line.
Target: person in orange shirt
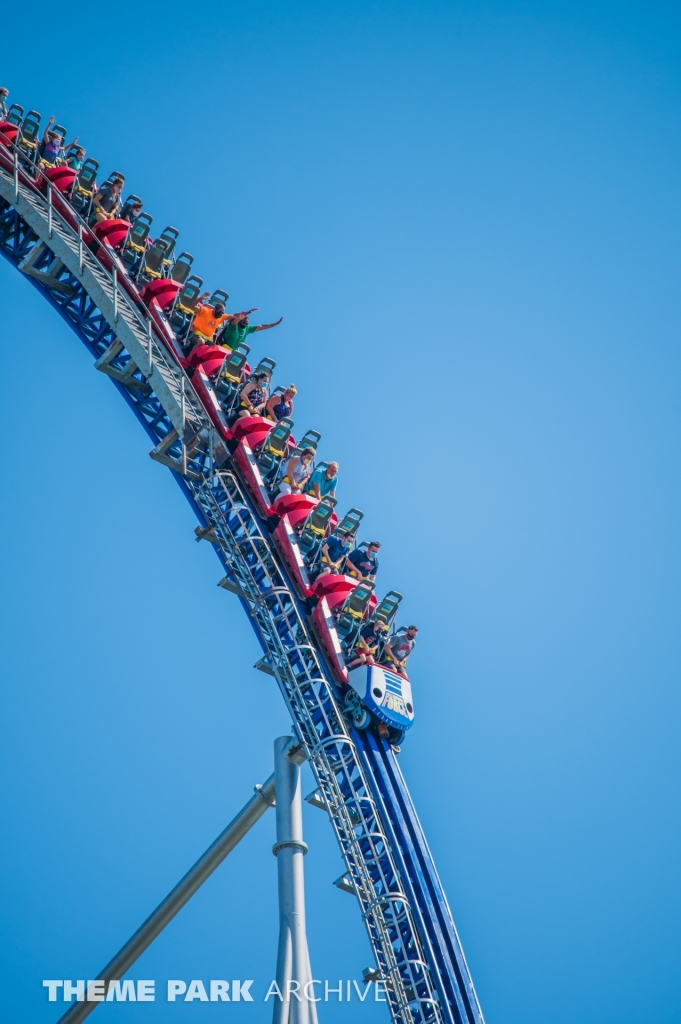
pixel 207 320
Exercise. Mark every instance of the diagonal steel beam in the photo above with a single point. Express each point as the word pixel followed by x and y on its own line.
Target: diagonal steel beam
pixel 181 894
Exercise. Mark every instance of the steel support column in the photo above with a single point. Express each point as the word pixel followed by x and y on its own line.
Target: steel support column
pixel 293 959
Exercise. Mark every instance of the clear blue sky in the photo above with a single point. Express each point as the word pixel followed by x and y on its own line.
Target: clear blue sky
pixel 469 215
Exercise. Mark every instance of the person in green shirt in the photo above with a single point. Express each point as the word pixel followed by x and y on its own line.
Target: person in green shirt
pixel 238 330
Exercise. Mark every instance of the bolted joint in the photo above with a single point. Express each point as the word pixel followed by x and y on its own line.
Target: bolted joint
pixel 293 844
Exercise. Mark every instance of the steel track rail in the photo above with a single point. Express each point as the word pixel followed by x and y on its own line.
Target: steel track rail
pixel 419 989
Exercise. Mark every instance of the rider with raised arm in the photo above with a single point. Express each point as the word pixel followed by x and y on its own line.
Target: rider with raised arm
pixel 239 328
pixel 53 146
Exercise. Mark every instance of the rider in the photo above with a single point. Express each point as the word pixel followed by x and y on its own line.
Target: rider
pixel 53 148
pixel 371 637
pixel 4 93
pixel 322 483
pixel 254 395
pixel 335 551
pixel 398 649
pixel 207 320
pixel 131 211
pixel 297 470
pixel 363 563
pixel 281 405
pixel 239 329
pixel 76 159
pixel 107 201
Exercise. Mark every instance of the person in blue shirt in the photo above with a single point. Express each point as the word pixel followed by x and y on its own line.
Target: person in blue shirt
pixel 363 562
pixel 76 158
pixel 322 483
pixel 335 551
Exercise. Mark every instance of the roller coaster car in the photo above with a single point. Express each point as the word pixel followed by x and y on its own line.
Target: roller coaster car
pixel 314 529
pixel 112 232
pixel 290 510
pixel 84 187
pixel 61 177
pixel 163 290
pixel 340 598
pixel 181 267
pixel 274 449
pixel 158 257
pixel 29 134
pixel 374 690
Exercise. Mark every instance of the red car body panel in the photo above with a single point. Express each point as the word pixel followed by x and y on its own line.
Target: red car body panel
pixel 206 392
pixel 62 178
pixel 287 539
pixel 164 290
pixel 8 132
pixel 250 471
pixel 113 232
pixel 325 625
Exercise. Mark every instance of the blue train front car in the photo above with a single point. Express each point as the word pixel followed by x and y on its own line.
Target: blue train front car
pixel 385 694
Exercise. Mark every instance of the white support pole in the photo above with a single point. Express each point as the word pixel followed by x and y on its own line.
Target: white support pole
pixel 293 958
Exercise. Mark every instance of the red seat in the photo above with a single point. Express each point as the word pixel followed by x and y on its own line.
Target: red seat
pixel 62 178
pixel 113 232
pixel 164 290
pixel 8 132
